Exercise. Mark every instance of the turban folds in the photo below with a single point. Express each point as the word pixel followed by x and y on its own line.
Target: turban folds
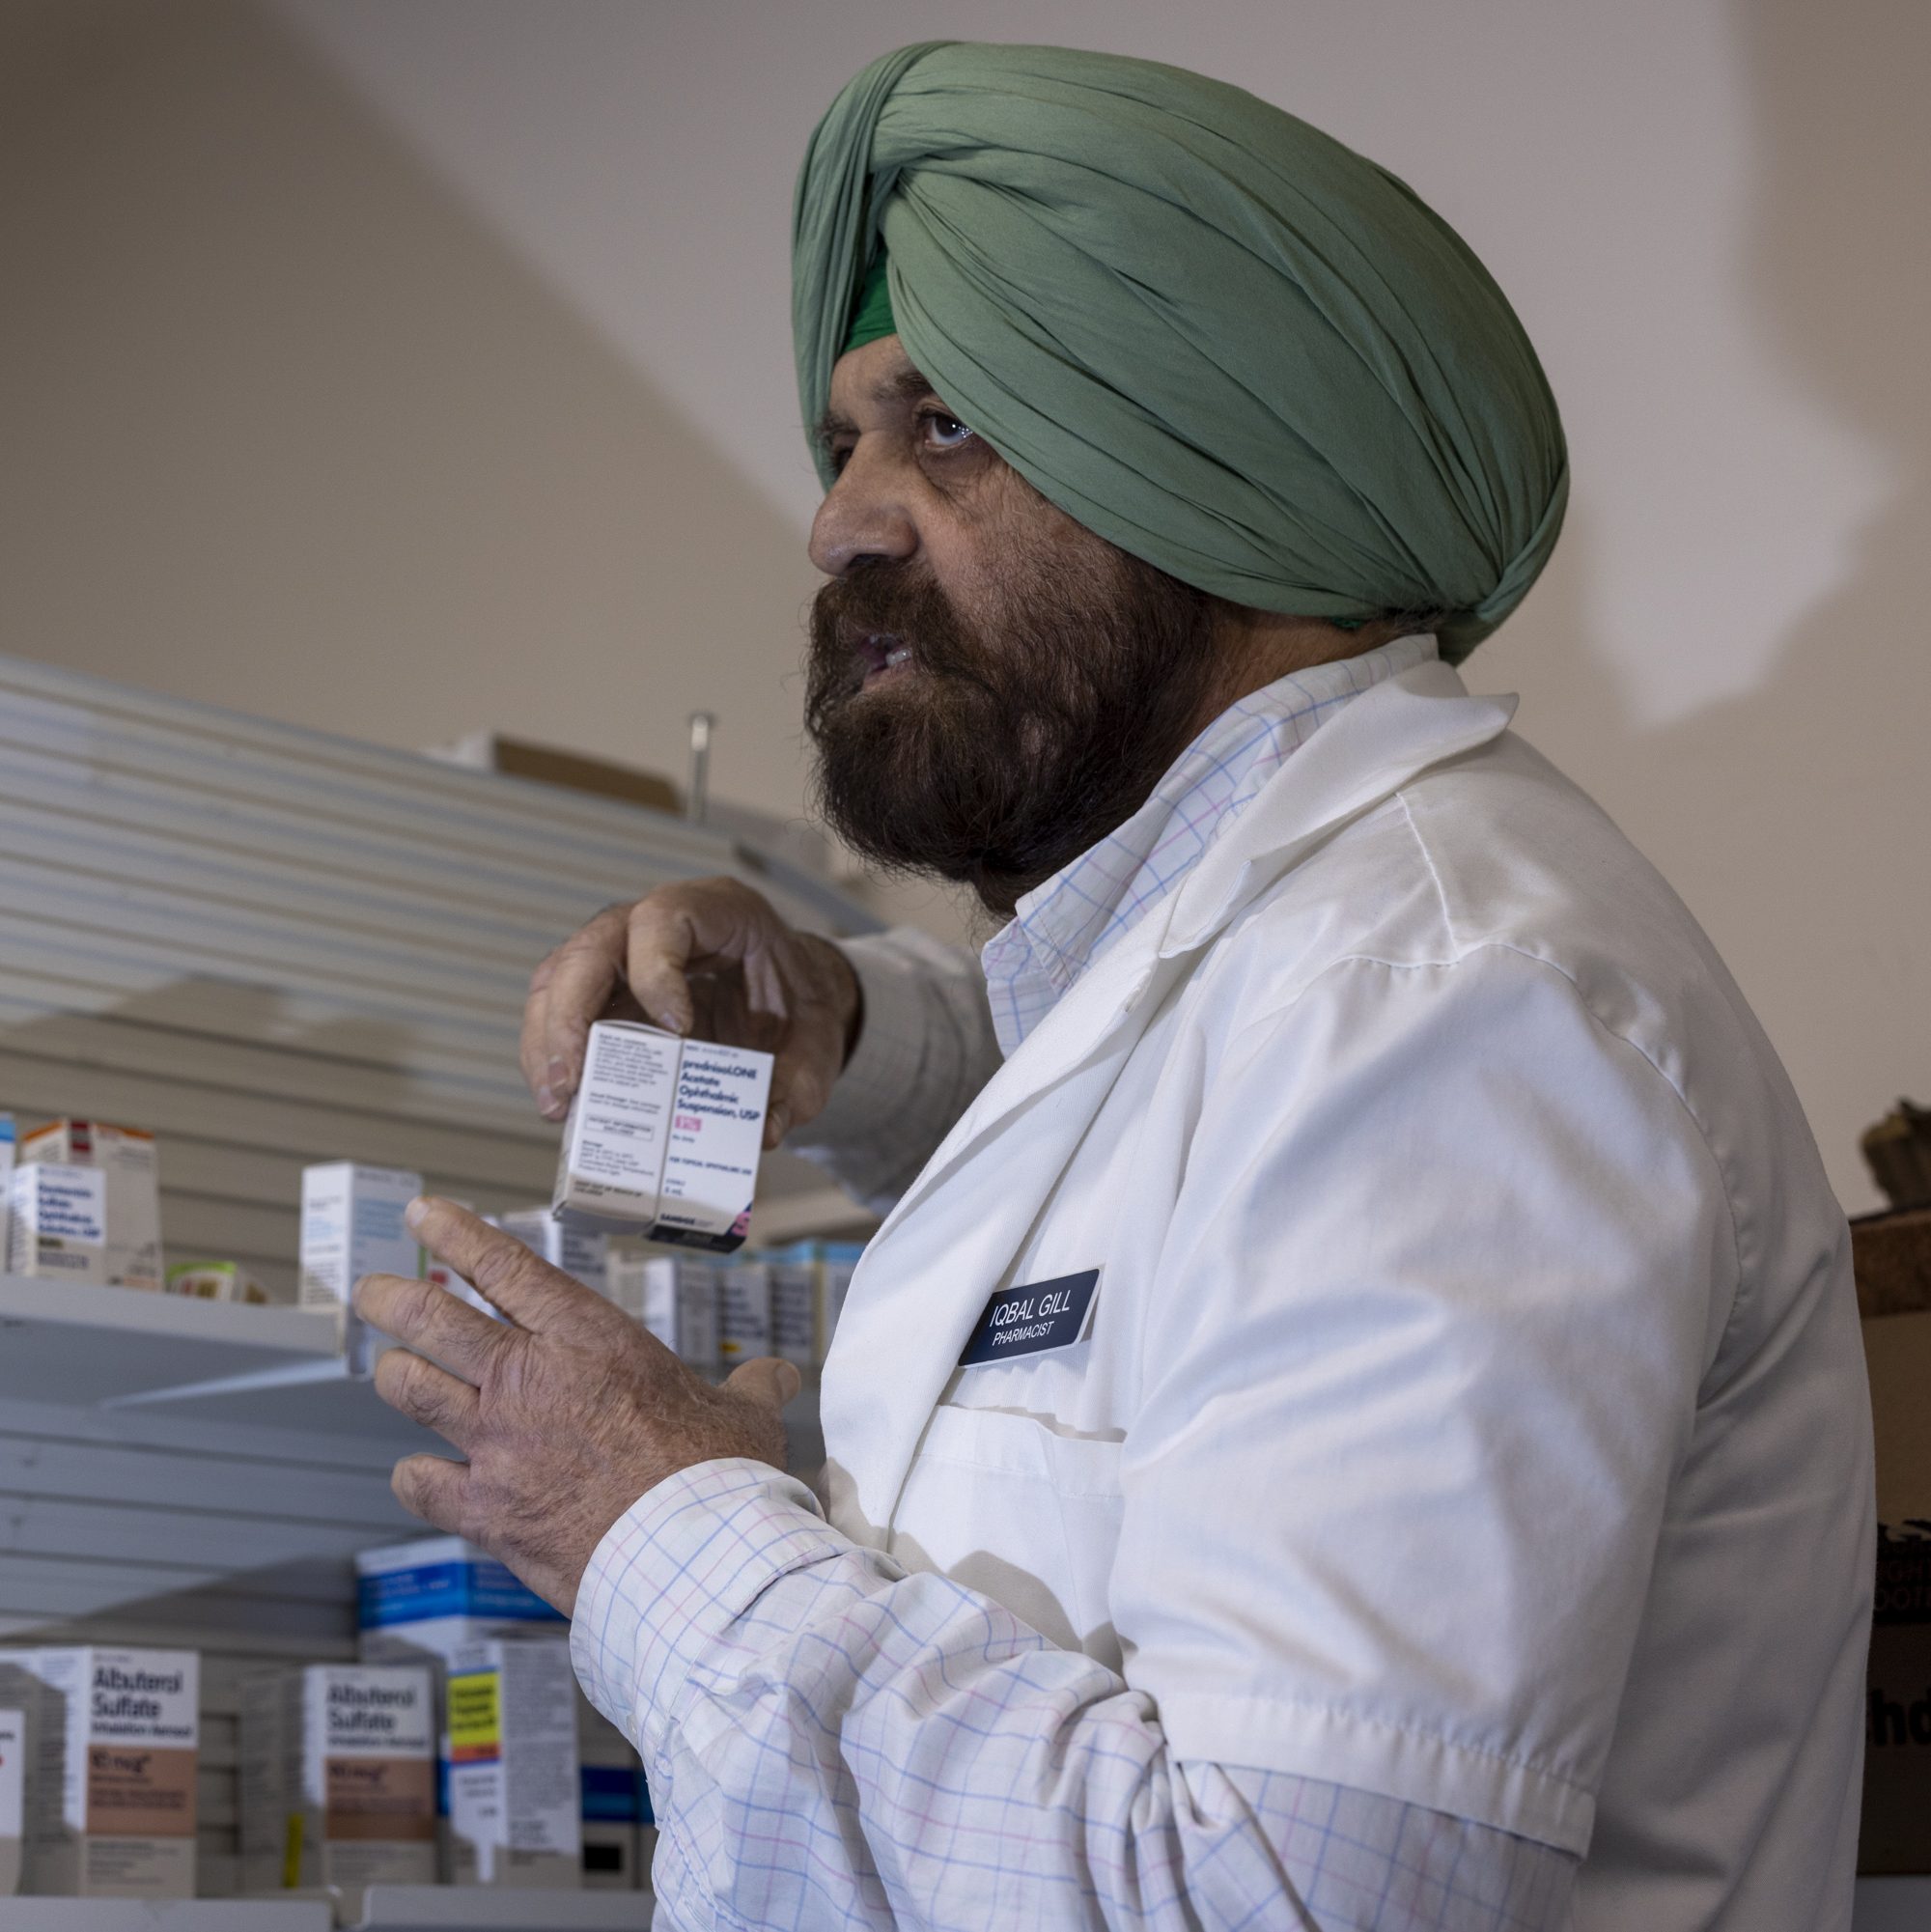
pixel 1208 332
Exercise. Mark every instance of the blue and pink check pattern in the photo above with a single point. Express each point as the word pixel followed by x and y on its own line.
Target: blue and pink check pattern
pixel 1063 926
pixel 832 1743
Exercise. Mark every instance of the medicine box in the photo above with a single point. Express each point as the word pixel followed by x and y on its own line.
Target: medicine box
pixel 127 1158
pixel 581 1252
pixel 430 1597
pixel 351 1226
pixel 58 1223
pixel 6 1153
pixel 13 1800
pixel 510 1718
pixel 675 1297
pixel 338 1777
pixel 613 1803
pixel 744 1312
pixel 664 1136
pixel 794 1275
pixel 116 1736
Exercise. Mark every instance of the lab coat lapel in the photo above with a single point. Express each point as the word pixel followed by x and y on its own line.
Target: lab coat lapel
pixel 945 1246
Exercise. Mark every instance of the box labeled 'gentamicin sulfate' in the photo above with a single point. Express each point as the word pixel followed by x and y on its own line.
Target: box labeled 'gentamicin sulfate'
pixel 127 1158
pixel 664 1136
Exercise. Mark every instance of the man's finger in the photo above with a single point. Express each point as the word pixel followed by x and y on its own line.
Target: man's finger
pixel 664 937
pixel 434 1488
pixel 578 981
pixel 427 1317
pixel 768 1382
pixel 505 1272
pixel 428 1394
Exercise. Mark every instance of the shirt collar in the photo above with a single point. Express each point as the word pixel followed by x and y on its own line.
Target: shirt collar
pixel 1062 926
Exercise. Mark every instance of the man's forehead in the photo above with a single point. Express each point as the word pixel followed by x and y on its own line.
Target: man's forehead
pixel 877 376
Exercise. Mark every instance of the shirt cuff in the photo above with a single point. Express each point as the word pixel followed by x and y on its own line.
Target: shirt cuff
pixel 670 1578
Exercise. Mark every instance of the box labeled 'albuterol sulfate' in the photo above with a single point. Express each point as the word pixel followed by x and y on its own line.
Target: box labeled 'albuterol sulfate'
pixel 338 1777
pixel 664 1136
pixel 117 1736
pixel 351 1226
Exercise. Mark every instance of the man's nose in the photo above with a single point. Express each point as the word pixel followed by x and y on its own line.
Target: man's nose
pixel 864 518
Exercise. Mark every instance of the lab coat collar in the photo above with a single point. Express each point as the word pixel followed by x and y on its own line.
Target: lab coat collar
pixel 949 1246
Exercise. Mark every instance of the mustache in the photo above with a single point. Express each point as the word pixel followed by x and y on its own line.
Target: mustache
pixel 903 600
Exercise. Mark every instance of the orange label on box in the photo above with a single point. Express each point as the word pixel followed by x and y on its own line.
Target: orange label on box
pixel 389 1798
pixel 139 1791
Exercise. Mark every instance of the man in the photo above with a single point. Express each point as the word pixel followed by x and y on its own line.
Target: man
pixel 1355 1418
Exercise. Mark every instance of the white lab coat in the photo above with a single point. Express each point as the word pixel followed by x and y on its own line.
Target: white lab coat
pixel 1473 1404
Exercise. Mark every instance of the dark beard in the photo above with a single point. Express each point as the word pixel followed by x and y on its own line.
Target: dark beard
pixel 995 763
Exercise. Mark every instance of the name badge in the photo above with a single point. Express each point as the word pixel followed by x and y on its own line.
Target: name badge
pixel 1028 1321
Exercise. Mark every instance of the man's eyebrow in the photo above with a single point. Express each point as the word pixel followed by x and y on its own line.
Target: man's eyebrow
pixel 904 385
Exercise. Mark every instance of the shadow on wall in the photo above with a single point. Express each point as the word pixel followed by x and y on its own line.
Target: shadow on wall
pixel 1780 806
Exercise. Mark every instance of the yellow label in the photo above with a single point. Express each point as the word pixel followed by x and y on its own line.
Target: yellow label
pixel 475 1717
pixel 292 1853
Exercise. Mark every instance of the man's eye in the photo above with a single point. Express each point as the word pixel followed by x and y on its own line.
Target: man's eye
pixel 944 431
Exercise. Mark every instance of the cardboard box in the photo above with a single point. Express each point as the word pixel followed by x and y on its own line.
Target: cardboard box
pixel 1896 1829
pixel 351 1226
pixel 612 1804
pixel 514 1797
pixel 338 1777
pixel 6 1153
pixel 664 1136
pixel 675 1297
pixel 581 1252
pixel 115 1737
pixel 744 1312
pixel 127 1158
pixel 57 1227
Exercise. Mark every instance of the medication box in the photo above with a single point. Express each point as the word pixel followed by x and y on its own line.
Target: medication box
pixel 613 1803
pixel 338 1777
pixel 351 1226
pixel 117 1733
pixel 127 1158
pixel 431 1597
pixel 511 1722
pixel 58 1223
pixel 582 1252
pixel 7 1151
pixel 744 1312
pixel 664 1136
pixel 795 1322
pixel 13 1800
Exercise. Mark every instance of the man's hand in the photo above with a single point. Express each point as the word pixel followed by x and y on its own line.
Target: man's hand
pixel 708 957
pixel 566 1417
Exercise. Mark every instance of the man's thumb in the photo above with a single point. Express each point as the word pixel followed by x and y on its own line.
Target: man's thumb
pixel 768 1380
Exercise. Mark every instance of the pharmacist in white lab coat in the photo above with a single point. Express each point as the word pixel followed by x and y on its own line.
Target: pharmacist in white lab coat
pixel 1354 1415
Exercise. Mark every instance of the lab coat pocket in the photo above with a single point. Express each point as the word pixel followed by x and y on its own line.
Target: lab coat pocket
pixel 1047 1502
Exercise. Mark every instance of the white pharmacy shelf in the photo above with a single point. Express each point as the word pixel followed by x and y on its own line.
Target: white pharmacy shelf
pixel 138 1353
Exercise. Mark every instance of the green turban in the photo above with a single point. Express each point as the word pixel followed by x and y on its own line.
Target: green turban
pixel 1204 331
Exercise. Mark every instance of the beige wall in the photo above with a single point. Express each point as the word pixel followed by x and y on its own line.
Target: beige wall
pixel 399 366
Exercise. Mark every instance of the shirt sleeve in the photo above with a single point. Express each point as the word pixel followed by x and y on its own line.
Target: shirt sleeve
pixel 831 1742
pixel 925 1048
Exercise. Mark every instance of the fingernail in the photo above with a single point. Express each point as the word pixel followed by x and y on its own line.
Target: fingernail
pixel 780 1122
pixel 789 1380
pixel 412 1214
pixel 557 1072
pixel 546 1104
